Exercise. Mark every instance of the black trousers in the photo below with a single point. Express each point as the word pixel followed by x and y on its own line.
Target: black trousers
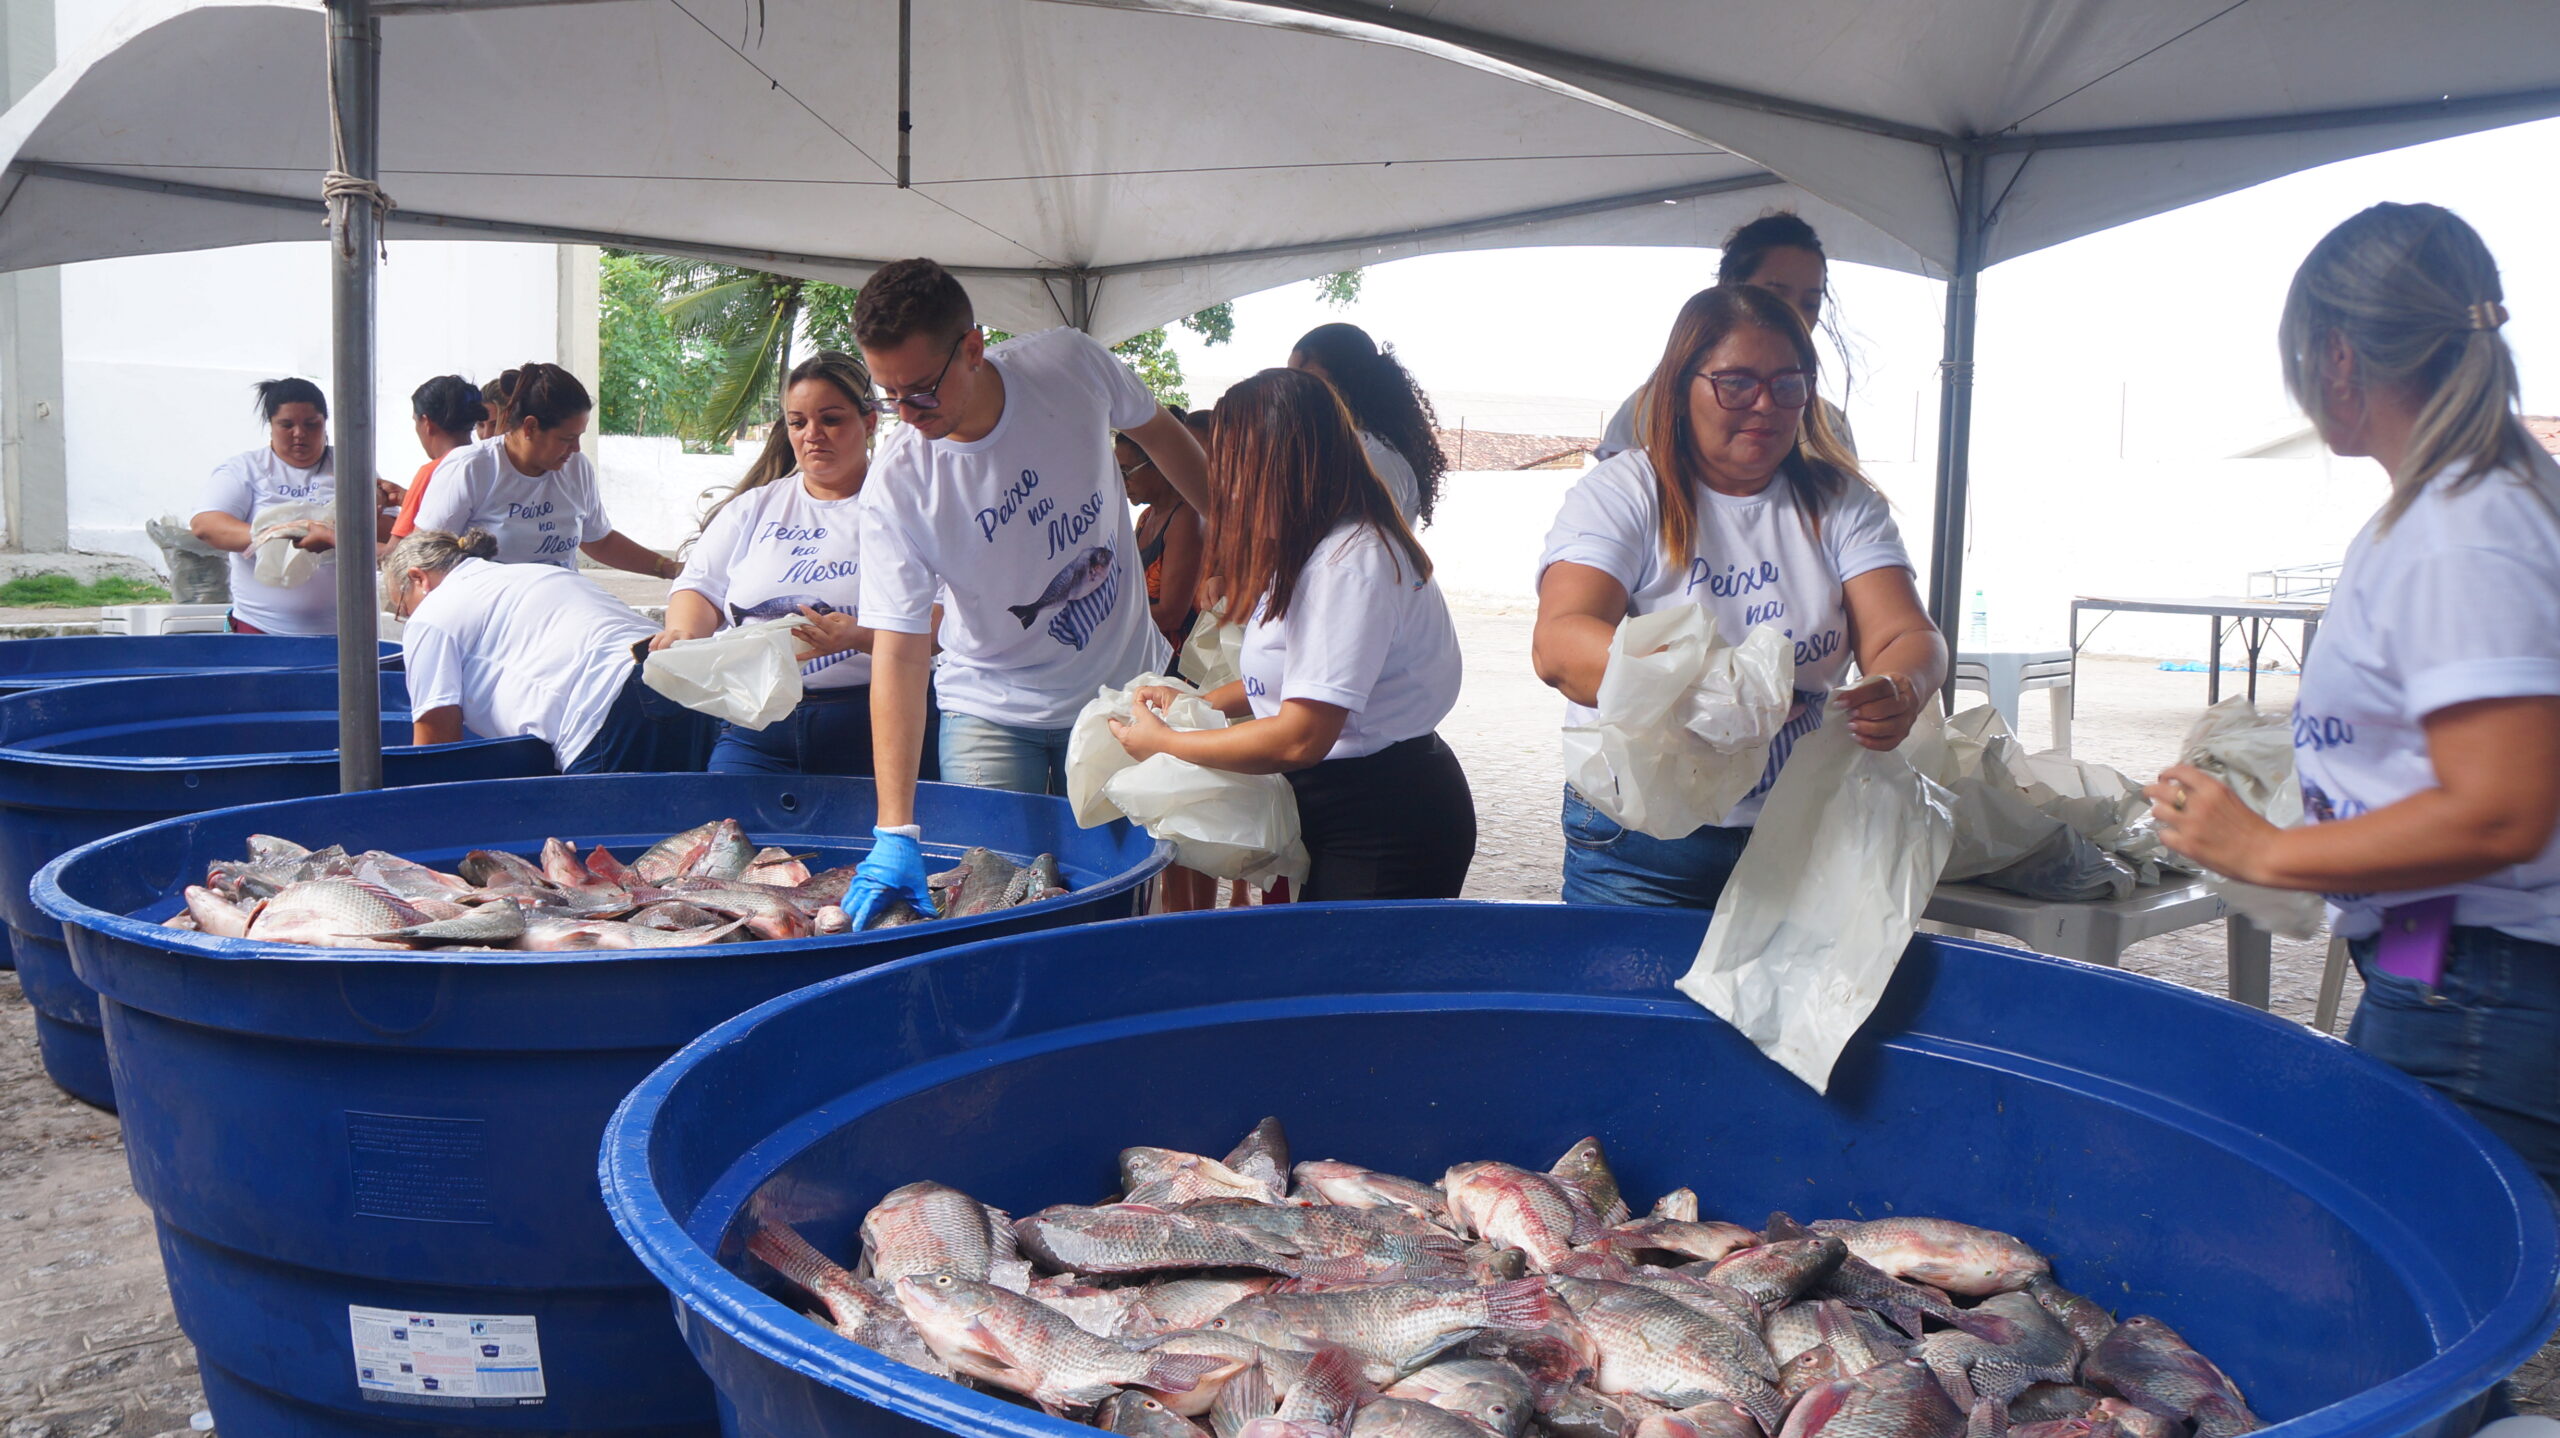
pixel 1397 824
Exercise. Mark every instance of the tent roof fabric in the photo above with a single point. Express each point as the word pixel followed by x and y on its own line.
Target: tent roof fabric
pixel 1121 163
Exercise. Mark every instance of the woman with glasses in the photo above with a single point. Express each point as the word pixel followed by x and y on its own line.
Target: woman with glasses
pixel 1745 504
pixel 1169 540
pixel 787 544
pixel 1350 660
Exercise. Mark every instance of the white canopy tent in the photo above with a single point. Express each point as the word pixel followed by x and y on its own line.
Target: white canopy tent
pixel 1117 163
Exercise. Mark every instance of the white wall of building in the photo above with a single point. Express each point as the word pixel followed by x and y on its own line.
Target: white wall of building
pixel 655 491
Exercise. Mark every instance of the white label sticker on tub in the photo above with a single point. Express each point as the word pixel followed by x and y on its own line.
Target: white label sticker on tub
pixel 446 1360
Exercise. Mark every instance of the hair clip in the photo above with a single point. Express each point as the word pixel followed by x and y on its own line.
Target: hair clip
pixel 2488 315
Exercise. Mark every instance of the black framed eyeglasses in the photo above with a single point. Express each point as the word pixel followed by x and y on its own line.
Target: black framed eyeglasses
pixel 1740 388
pixel 928 398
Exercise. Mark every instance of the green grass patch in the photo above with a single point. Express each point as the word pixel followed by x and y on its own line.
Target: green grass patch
pixel 61 591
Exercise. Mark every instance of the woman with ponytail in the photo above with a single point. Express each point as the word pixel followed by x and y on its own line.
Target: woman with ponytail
pixel 2427 731
pixel 448 412
pixel 529 488
pixel 500 649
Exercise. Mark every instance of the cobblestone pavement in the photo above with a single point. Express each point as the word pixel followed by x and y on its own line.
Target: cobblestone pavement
pixel 89 1349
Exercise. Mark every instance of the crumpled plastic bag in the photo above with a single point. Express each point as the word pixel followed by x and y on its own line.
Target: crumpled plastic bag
pixel 748 675
pixel 1841 864
pixel 2013 832
pixel 1639 763
pixel 274 533
pixel 1211 657
pixel 198 572
pixel 2253 753
pixel 1228 826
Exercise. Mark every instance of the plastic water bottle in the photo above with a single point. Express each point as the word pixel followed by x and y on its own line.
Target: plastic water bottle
pixel 1977 627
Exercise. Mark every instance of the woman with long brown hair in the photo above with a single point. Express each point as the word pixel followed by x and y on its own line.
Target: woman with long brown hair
pixel 1350 660
pixel 1744 502
pixel 786 543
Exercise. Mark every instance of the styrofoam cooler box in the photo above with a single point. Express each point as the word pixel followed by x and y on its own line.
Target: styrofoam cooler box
pixel 162 618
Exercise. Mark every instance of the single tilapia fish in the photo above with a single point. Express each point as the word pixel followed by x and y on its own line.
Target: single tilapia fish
pixel 1957 1257
pixel 934 1228
pixel 1082 576
pixel 494 925
pixel 1777 1273
pixel 495 869
pixel 1174 1304
pixel 778 868
pixel 336 913
pixel 564 934
pixel 1656 1348
pixel 1487 1392
pixel 673 855
pixel 1984 1369
pixel 2145 1361
pixel 1320 1403
pixel 1349 1185
pixel 1858 1282
pixel 1262 1155
pixel 1585 1170
pixel 1891 1400
pixel 1532 1212
pixel 2087 1321
pixel 897 913
pixel 1167 1177
pixel 1364 1245
pixel 674 916
pixel 1397 1327
pixel 216 915
pixel 859 1311
pixel 1011 1342
pixel 977 884
pixel 1139 1238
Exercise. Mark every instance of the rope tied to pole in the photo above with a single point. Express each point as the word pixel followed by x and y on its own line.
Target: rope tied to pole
pixel 340 189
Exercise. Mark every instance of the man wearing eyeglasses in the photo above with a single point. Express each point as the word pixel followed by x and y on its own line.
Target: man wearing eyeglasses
pixel 998 498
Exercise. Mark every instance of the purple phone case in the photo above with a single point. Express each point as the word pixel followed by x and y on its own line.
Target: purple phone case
pixel 2413 940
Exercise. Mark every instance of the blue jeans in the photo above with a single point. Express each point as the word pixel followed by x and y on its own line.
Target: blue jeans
pixel 2487 1036
pixel 645 732
pixel 830 733
pixel 987 755
pixel 1607 863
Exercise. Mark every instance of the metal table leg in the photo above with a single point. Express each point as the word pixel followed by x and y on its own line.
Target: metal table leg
pixel 2333 986
pixel 2250 954
pixel 2213 661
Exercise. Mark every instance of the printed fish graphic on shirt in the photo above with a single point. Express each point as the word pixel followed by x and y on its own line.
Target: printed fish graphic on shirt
pixel 1083 575
pixel 781 606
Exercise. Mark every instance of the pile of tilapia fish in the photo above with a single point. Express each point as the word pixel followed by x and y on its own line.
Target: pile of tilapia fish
pixel 707 885
pixel 1246 1299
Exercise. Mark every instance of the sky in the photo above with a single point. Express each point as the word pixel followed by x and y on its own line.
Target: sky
pixel 2153 340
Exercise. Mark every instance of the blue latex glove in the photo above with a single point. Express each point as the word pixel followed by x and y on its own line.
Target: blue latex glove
pixel 895 870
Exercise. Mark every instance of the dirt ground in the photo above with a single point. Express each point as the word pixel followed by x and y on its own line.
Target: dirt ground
pixel 89 1349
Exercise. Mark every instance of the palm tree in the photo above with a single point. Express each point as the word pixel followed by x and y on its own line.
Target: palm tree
pixel 741 324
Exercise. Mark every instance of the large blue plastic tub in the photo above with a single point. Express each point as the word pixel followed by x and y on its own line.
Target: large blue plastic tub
pixel 2362 1258
pixel 82 761
pixel 319 1131
pixel 79 658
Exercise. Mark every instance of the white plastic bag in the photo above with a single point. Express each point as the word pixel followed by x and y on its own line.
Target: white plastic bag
pixel 1825 899
pixel 748 675
pixel 1229 826
pixel 2012 831
pixel 1210 656
pixel 274 533
pixel 1639 764
pixel 2253 753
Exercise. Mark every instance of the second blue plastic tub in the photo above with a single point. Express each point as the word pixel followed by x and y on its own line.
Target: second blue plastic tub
pixel 329 1136
pixel 2365 1260
pixel 82 761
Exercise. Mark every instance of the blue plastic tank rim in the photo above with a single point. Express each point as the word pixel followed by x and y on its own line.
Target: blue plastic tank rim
pixel 774 1331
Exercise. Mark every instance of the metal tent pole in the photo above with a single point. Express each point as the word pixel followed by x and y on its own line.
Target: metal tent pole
pixel 355 97
pixel 1955 417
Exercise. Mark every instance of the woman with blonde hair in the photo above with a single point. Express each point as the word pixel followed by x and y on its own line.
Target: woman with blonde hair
pixel 786 543
pixel 2427 731
pixel 1744 502
pixel 1350 660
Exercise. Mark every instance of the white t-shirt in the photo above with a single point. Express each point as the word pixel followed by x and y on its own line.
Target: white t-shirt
pixel 247 483
pixel 524 649
pixel 2459 601
pixel 768 554
pixel 536 519
pixel 1756 561
pixel 1024 536
pixel 1396 472
pixel 1620 434
pixel 1363 633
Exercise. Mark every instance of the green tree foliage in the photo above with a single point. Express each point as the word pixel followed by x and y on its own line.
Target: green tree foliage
pixel 648 385
pixel 1339 289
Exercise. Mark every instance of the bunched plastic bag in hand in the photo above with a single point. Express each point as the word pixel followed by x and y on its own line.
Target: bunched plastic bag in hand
pixel 2253 753
pixel 1212 653
pixel 748 675
pixel 275 533
pixel 1825 899
pixel 1684 721
pixel 1229 826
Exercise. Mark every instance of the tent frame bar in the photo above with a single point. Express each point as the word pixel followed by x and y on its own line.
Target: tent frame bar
pixel 1955 412
pixel 355 98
